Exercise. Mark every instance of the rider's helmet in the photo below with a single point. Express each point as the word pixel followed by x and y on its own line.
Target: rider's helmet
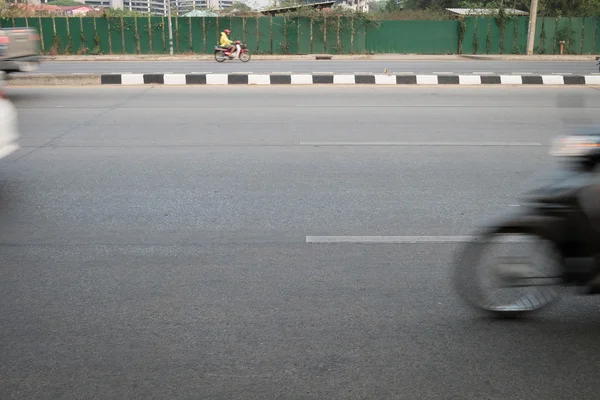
pixel 227 31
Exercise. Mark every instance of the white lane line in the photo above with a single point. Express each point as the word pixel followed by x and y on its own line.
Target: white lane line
pixel 512 144
pixel 389 239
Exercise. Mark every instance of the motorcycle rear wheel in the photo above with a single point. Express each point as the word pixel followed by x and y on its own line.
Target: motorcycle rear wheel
pixel 245 57
pixel 220 56
pixel 468 287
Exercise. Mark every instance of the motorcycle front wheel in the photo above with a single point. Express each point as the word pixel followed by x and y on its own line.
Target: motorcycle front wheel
pixel 245 57
pixel 220 56
pixel 524 281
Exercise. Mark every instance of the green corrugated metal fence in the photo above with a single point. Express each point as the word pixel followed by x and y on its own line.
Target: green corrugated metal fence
pixel 413 37
pixel 484 36
pixel 335 35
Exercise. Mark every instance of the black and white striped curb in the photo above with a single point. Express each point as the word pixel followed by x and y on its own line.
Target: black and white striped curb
pixel 345 79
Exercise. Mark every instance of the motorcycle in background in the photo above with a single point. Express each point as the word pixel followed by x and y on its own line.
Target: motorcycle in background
pixel 222 54
pixel 559 220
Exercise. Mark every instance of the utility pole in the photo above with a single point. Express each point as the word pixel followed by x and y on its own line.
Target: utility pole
pixel 532 22
pixel 171 27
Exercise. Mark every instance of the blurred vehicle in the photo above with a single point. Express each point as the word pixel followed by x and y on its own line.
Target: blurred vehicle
pixel 9 133
pixel 19 50
pixel 558 226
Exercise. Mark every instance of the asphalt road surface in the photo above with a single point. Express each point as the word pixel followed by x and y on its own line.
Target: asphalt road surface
pixel 153 244
pixel 424 67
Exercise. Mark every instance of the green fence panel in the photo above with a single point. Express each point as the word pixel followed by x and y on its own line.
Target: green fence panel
pixel 331 42
pixel 251 26
pixel 63 35
pixel 345 35
pixel 181 35
pixel 74 25
pixel 318 36
pixel 102 29
pixel 521 35
pixel 577 28
pixel 291 36
pixel 157 38
pixel 19 22
pixel 597 37
pixel 434 37
pixel 467 43
pixel 506 37
pixel 143 31
pixel 264 35
pixel 86 35
pixel 589 34
pixel 544 37
pixel 129 35
pixel 48 28
pixel 211 33
pixel 482 31
pixel 493 39
pixel 198 37
pixel 115 35
pixel 277 35
pixel 285 35
pixel 565 32
pixel 303 35
pixel 361 38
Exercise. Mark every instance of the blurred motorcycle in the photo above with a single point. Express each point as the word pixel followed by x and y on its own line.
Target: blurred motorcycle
pixel 222 54
pixel 551 243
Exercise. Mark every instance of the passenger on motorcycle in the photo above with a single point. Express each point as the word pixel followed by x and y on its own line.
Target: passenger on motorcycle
pixel 226 43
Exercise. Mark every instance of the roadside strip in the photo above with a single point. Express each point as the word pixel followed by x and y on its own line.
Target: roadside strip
pixel 298 79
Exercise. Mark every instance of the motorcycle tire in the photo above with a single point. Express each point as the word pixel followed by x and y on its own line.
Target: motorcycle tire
pixel 220 56
pixel 467 286
pixel 245 57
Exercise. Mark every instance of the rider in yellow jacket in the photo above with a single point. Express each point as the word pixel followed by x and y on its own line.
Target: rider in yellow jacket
pixel 225 42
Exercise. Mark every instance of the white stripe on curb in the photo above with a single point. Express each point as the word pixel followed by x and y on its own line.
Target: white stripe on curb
pixel 302 79
pixel 469 79
pixel 552 80
pixel 259 80
pixel 511 80
pixel 175 79
pixel 217 79
pixel 132 79
pixel 385 79
pixel 427 80
pixel 592 80
pixel 344 79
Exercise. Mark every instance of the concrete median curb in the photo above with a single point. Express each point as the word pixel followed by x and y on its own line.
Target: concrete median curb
pixel 53 79
pixel 300 79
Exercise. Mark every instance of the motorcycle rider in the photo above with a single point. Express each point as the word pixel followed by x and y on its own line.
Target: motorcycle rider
pixel 226 43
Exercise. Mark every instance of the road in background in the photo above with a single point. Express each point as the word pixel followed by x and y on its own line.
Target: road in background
pixel 153 244
pixel 425 67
